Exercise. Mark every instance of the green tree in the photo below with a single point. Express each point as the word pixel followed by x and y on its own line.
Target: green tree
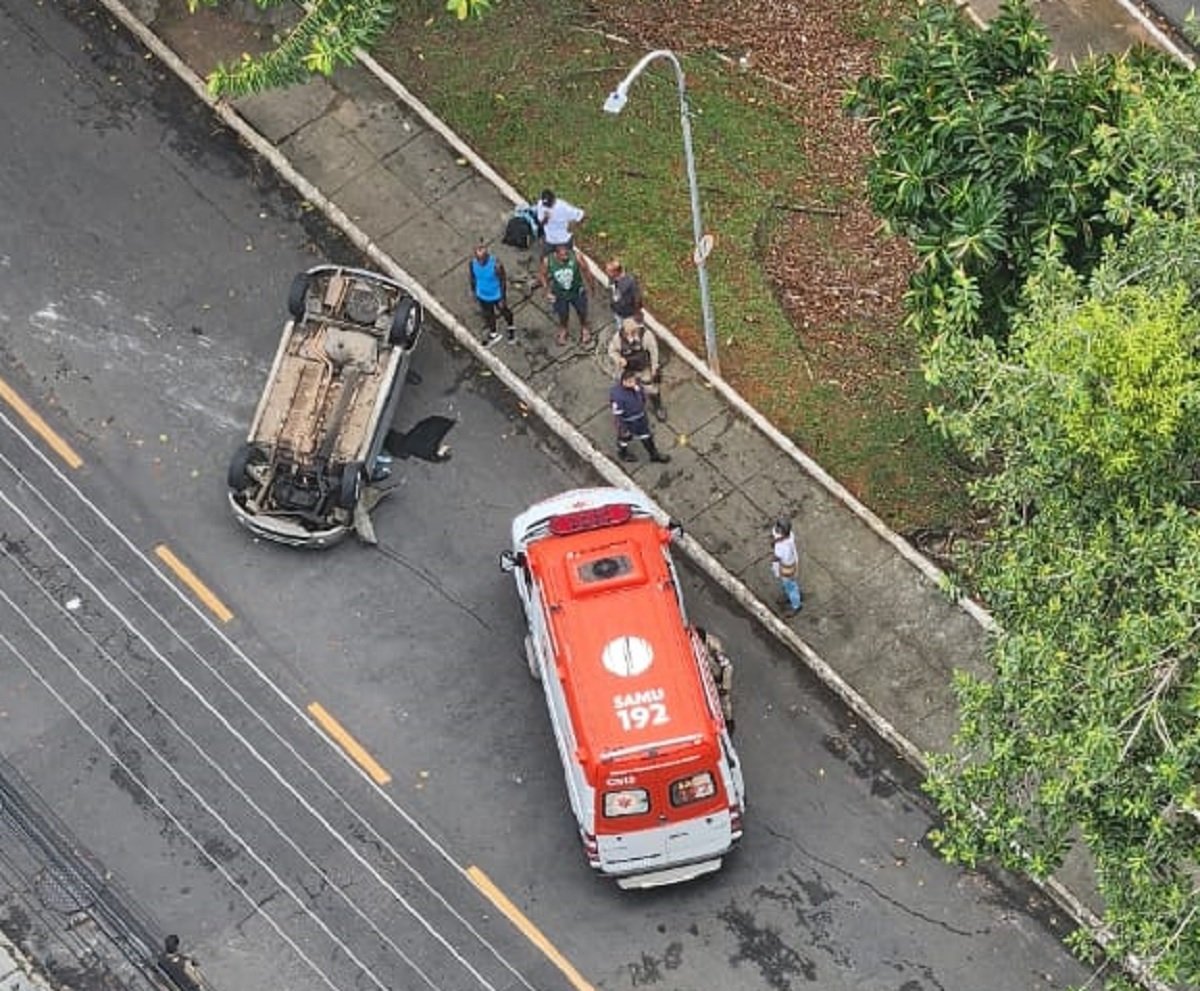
pixel 328 35
pixel 987 158
pixel 1089 421
pixel 1089 724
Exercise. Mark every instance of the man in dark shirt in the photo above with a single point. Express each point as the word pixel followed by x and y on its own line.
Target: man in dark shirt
pixel 625 295
pixel 628 400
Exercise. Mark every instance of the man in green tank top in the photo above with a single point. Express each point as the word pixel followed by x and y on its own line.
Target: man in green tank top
pixel 567 281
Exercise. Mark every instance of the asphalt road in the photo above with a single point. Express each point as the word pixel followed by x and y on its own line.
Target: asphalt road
pixel 144 260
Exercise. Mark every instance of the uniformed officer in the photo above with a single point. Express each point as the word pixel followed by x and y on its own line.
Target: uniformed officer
pixel 634 346
pixel 628 398
pixel 722 672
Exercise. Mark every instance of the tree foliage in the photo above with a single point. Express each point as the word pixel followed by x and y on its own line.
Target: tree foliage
pixel 987 159
pixel 328 35
pixel 1089 419
pixel 1089 725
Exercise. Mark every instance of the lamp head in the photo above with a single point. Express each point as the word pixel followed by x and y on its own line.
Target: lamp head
pixel 616 101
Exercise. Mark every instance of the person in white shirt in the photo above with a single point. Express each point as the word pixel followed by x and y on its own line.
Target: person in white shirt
pixel 785 565
pixel 556 216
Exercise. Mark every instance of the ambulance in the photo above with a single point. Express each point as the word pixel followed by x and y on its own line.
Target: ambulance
pixel 652 776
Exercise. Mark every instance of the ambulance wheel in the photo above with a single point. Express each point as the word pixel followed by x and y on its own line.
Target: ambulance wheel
pixel 298 295
pixel 531 659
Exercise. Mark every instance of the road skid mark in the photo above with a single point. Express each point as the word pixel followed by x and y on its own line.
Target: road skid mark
pixel 39 426
pixel 528 929
pixel 354 750
pixel 198 588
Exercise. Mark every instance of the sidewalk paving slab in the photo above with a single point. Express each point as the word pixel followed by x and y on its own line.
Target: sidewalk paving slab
pixel 360 199
pixel 278 114
pixel 730 445
pixel 429 246
pixel 325 151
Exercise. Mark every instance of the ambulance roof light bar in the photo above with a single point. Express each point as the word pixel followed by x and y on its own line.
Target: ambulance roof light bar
pixel 612 514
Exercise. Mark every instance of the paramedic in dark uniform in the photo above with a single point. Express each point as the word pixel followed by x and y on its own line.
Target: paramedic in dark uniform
pixel 722 672
pixel 635 345
pixel 628 400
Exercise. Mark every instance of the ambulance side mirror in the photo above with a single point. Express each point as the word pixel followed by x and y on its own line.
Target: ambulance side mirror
pixel 674 530
pixel 509 562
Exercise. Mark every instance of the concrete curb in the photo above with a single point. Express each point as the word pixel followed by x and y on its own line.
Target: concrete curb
pixel 1161 38
pixel 607 469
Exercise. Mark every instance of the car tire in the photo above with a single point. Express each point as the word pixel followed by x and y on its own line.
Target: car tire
pixel 406 323
pixel 298 295
pixel 350 485
pixel 246 455
pixel 531 659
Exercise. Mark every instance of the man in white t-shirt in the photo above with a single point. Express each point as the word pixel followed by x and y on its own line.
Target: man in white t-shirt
pixel 556 216
pixel 785 565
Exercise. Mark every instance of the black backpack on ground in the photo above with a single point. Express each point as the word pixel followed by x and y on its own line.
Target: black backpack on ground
pixel 522 228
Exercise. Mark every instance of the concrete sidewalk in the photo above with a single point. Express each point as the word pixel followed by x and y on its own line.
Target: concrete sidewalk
pixel 875 626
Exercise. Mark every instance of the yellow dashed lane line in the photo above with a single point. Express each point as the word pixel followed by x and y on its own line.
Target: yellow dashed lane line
pixel 198 588
pixel 353 748
pixel 530 931
pixel 39 426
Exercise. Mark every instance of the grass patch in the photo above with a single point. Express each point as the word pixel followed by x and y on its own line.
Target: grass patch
pixel 525 86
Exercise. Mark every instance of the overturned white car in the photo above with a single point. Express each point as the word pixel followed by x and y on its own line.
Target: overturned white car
pixel 317 436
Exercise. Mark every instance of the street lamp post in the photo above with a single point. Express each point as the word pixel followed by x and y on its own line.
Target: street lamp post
pixel 614 105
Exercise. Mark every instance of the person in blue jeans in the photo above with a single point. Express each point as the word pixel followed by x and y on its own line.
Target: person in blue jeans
pixel 489 283
pixel 785 565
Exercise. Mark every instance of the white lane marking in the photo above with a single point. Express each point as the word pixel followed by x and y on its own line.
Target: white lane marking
pixel 167 718
pixel 297 710
pixel 178 824
pixel 128 623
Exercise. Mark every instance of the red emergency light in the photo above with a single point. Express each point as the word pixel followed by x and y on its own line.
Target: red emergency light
pixel 590 519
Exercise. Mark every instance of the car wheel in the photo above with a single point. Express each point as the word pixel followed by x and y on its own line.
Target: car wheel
pixel 531 659
pixel 406 323
pixel 298 295
pixel 245 456
pixel 350 486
